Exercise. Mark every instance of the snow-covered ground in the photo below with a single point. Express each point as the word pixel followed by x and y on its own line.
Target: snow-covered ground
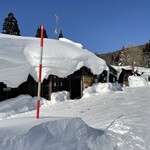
pixel 106 118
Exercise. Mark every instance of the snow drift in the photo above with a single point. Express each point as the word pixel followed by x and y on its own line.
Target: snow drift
pixel 19 104
pixel 137 81
pixel 59 96
pixel 52 134
pixel 26 103
pixel 19 57
pixel 101 88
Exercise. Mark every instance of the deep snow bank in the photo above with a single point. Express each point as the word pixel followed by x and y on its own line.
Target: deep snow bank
pixel 137 81
pixel 51 134
pixel 19 57
pixel 59 96
pixel 101 88
pixel 18 105
pixel 26 103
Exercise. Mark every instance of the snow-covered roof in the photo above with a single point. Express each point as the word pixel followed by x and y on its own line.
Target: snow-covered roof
pixel 140 70
pixel 19 57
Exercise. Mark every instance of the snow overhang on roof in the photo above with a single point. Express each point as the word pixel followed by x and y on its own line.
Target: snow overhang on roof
pixel 19 57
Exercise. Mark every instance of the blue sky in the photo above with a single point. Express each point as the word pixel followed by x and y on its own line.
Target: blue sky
pixel 102 26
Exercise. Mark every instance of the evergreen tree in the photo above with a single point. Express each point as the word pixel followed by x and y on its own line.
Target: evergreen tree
pixel 38 33
pixel 112 61
pixel 10 25
pixel 60 34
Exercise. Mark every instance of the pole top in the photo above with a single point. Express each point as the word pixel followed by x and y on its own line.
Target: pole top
pixel 42 35
pixel 42 27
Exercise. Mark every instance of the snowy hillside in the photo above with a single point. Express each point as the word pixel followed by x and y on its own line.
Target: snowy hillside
pixel 19 57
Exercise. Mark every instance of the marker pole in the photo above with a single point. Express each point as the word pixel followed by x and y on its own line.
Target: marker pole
pixel 40 74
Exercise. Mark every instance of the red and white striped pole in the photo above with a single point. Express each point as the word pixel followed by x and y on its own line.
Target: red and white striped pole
pixel 40 74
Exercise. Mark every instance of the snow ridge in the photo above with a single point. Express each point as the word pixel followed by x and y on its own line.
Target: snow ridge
pixel 64 134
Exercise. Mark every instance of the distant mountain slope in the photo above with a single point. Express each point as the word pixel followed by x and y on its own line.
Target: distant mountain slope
pixel 136 55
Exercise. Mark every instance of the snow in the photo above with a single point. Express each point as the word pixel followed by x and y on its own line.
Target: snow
pixel 51 133
pixel 71 42
pixel 107 117
pixel 100 88
pixel 141 70
pixel 137 81
pixel 59 96
pixel 19 57
pixel 20 104
pixel 112 119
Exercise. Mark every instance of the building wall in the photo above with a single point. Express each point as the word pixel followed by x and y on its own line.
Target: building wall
pixel 123 78
pixel 74 84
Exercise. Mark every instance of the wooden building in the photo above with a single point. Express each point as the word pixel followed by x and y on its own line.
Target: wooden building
pixel 74 84
pixel 123 78
pixel 112 74
pixel 60 58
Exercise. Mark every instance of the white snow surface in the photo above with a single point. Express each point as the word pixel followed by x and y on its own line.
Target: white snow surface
pixel 19 57
pixel 109 120
pixel 59 96
pixel 106 118
pixel 137 81
pixel 101 88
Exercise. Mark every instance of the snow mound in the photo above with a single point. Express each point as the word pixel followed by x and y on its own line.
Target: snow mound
pixel 137 81
pixel 52 134
pixel 101 88
pixel 18 105
pixel 59 96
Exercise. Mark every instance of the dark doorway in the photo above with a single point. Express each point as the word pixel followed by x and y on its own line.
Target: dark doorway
pixel 75 88
pixel 45 88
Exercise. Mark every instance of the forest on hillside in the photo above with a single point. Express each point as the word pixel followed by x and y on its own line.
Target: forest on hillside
pixel 132 55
